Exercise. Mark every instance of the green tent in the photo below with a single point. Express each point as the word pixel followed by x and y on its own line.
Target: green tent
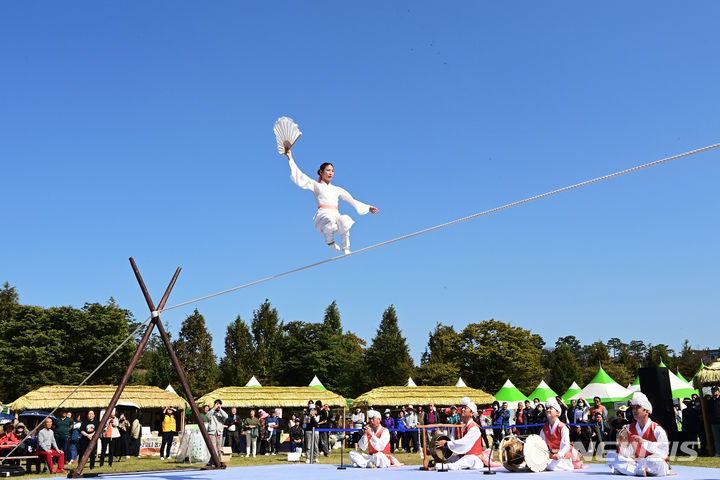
pixel 542 392
pixel 604 387
pixel 574 388
pixel 509 393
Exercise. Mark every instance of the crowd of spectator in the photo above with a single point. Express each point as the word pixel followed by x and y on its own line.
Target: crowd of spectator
pixel 65 439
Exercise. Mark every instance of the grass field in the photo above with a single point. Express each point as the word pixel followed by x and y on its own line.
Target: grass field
pixel 154 463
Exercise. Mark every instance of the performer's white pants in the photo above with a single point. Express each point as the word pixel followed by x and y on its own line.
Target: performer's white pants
pixel 363 460
pixel 469 462
pixel 656 467
pixel 329 222
pixel 563 464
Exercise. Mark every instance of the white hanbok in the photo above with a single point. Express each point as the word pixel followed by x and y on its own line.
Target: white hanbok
pixel 461 446
pixel 378 444
pixel 328 220
pixel 626 462
pixel 562 464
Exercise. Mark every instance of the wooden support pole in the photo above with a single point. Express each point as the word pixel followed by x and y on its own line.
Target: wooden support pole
pixel 154 322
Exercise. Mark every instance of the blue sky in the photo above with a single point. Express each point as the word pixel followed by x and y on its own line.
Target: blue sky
pixel 144 129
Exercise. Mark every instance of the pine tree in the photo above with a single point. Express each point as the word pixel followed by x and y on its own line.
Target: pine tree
pixel 564 369
pixel 267 337
pixel 195 352
pixel 160 372
pixel 388 357
pixel 237 365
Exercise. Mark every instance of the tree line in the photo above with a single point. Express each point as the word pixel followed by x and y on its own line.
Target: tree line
pixel 61 345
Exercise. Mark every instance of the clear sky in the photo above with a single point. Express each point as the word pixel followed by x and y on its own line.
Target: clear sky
pixel 144 129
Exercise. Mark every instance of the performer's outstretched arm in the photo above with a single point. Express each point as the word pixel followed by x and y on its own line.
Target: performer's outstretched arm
pixel 297 176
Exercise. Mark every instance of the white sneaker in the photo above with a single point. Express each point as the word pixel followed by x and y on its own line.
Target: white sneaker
pixel 334 246
pixel 345 251
pixel 127 456
pixel 307 461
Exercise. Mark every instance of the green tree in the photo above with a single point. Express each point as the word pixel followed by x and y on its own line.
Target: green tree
pixel 62 345
pixel 637 349
pixel 160 372
pixel 237 365
pixel 267 329
pixel 194 350
pixel 598 355
pixel 388 357
pixel 689 360
pixel 659 353
pixel 615 344
pixel 439 363
pixel 627 360
pixel 493 351
pixel 9 295
pixel 332 323
pixel 442 345
pixel 564 369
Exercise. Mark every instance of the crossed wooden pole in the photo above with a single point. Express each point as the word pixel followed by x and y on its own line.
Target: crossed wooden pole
pixel 154 322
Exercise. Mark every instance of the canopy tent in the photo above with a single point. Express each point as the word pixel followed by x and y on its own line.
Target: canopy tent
pixel 410 382
pixel 542 392
pixel 572 390
pixel 253 382
pixel 6 418
pixel 604 387
pixel 635 386
pixel 96 396
pixel 460 383
pixel 509 393
pixel 680 376
pixel 394 396
pixel 316 383
pixel 678 388
pixel 170 389
pixel 243 397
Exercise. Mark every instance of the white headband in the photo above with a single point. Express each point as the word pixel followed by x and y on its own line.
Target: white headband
pixel 552 403
pixel 641 401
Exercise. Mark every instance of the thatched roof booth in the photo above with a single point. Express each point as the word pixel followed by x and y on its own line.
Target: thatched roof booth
pixel 96 396
pixel 284 397
pixel 442 396
pixel 708 376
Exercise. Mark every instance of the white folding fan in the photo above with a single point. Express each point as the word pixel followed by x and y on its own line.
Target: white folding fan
pixel 286 134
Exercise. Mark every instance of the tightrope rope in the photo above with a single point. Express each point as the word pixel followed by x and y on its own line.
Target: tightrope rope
pixel 450 223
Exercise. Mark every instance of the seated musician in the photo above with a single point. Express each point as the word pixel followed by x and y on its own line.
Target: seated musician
pixel 563 456
pixel 376 440
pixel 467 450
pixel 643 448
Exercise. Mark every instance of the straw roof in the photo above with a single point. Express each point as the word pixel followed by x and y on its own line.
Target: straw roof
pixel 96 396
pixel 393 396
pixel 708 376
pixel 248 397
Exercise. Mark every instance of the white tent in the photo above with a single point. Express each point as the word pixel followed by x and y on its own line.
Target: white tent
pixel 604 387
pixel 170 389
pixel 410 382
pixel 316 383
pixel 460 383
pixel 253 382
